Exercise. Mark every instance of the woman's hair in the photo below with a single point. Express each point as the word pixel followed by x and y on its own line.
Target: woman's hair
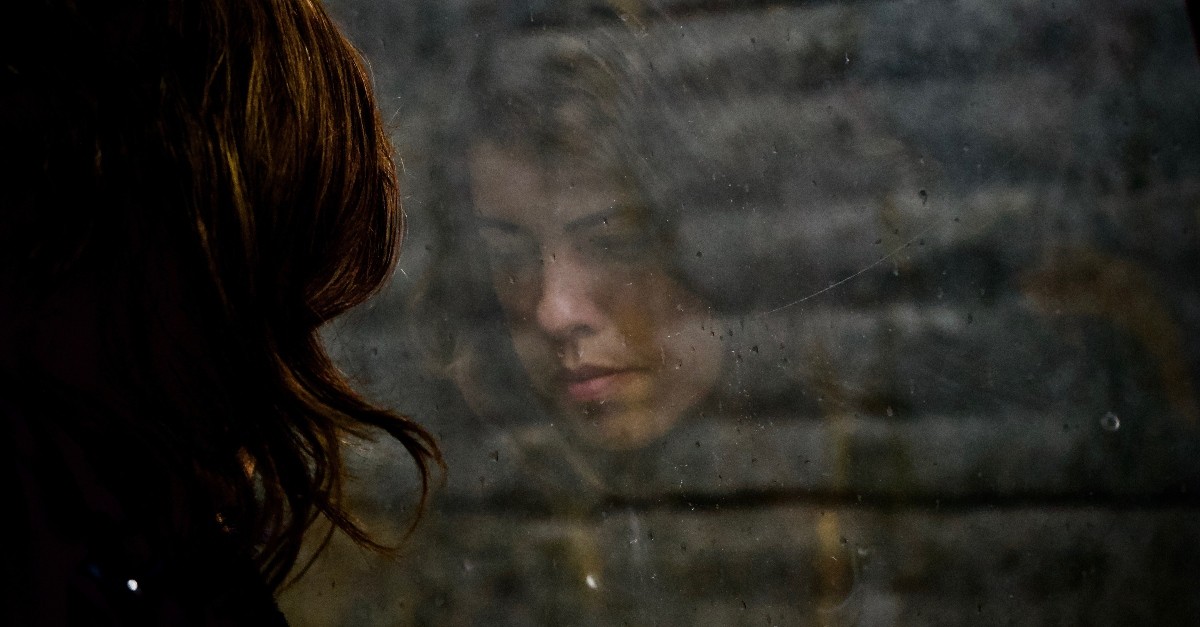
pixel 215 178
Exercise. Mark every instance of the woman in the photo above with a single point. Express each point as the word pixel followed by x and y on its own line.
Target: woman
pixel 190 190
pixel 611 341
pixel 606 280
pixel 624 241
pixel 606 332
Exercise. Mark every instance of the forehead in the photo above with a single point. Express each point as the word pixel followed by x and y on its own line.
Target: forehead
pixel 538 194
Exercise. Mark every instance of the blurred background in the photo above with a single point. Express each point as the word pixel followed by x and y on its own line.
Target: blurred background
pixel 948 255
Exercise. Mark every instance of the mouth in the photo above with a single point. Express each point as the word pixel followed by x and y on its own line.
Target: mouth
pixel 591 384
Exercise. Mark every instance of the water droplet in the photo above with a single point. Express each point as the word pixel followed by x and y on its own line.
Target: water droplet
pixel 1110 422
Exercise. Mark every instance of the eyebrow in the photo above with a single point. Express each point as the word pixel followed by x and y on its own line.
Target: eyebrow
pixel 500 225
pixel 595 219
pixel 578 224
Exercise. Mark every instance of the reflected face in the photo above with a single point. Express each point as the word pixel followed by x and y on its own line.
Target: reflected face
pixel 611 341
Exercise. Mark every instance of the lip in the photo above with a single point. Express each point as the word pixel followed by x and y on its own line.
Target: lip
pixel 590 384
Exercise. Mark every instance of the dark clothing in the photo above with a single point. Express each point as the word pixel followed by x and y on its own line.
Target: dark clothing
pixel 101 531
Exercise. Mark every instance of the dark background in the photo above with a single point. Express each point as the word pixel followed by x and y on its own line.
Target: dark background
pixel 974 366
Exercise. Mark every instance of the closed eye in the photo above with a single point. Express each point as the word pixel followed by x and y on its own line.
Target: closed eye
pixel 510 251
pixel 625 246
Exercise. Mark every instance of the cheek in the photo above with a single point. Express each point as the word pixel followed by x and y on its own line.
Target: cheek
pixel 517 296
pixel 661 319
pixel 694 355
pixel 519 309
pixel 517 293
pixel 637 322
pixel 535 353
pixel 538 356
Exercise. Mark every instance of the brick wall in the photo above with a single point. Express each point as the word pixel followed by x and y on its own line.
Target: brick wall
pixel 967 365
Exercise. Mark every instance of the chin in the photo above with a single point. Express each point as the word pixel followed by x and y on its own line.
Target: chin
pixel 620 429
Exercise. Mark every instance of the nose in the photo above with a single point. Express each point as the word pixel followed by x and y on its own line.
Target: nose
pixel 567 308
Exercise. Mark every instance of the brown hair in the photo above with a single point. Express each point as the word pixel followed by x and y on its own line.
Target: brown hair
pixel 215 178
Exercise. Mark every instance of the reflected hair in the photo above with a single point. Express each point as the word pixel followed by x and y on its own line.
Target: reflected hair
pixel 709 149
pixel 727 165
pixel 215 178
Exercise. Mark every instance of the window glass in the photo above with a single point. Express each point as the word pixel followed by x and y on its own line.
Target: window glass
pixel 877 312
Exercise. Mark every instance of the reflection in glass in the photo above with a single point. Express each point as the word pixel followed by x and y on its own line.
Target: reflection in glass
pixel 612 338
pixel 788 313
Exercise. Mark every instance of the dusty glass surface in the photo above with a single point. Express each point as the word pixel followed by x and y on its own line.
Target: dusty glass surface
pixel 875 312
